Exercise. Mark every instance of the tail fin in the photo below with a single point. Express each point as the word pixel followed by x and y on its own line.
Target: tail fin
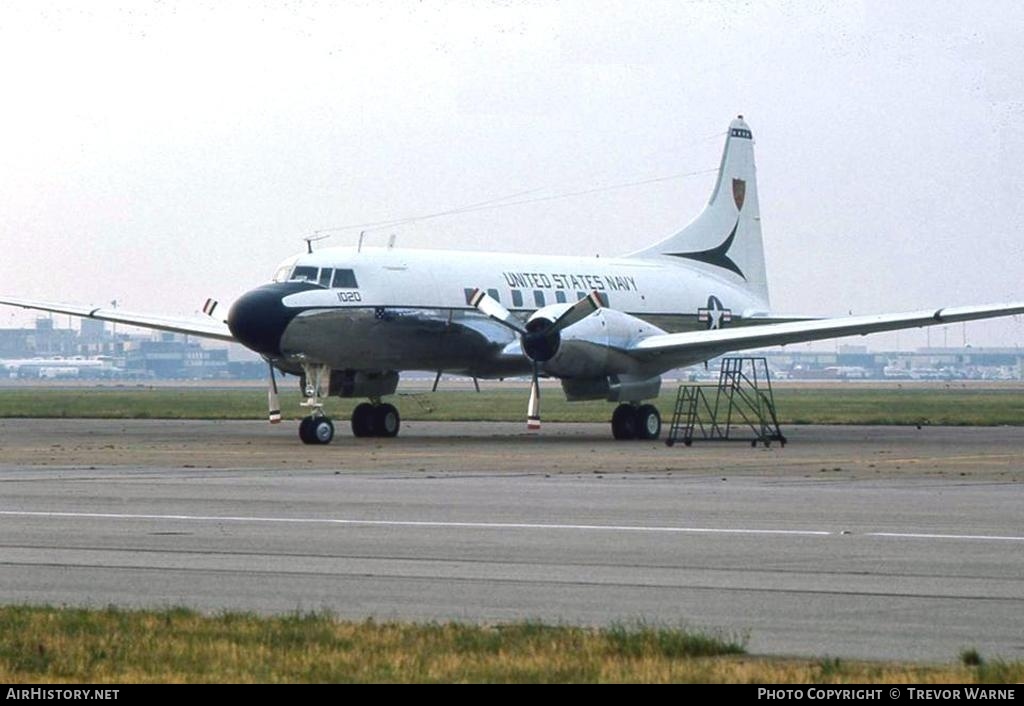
pixel 726 236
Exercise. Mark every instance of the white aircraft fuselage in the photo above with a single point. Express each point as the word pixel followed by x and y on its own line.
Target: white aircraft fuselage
pixel 410 309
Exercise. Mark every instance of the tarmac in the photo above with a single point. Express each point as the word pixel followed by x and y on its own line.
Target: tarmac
pixel 852 542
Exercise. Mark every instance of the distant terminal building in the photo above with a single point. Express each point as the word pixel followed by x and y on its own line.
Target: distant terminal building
pixel 858 363
pixel 175 357
pixel 43 340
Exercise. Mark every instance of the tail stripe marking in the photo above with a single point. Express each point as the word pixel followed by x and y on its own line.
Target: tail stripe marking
pixel 717 256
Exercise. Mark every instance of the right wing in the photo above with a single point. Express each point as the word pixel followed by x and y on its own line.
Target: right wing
pixel 681 349
pixel 193 326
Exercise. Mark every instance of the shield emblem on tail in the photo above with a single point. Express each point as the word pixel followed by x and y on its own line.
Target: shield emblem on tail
pixel 739 191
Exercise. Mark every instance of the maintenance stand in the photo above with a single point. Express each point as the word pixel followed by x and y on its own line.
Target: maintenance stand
pixel 742 399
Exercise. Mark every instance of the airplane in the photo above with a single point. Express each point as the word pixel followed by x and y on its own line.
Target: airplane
pixel 349 320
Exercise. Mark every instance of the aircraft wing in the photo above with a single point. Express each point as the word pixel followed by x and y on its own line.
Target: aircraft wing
pixel 192 325
pixel 694 346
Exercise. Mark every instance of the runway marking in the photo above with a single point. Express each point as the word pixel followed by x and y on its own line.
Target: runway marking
pixel 416 523
pixel 912 535
pixel 508 525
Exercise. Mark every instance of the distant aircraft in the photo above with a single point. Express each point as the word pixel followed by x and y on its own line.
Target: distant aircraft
pixel 55 367
pixel 348 320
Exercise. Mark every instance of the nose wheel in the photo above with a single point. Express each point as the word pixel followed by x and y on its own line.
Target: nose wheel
pixel 316 430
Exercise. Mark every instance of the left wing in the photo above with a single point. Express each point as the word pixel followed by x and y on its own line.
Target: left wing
pixel 680 349
pixel 194 326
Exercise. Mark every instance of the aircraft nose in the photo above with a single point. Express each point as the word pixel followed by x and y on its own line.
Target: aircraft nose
pixel 259 317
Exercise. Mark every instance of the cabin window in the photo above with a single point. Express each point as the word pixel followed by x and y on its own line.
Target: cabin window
pixel 304 274
pixel 494 294
pixel 469 291
pixel 325 276
pixel 345 279
pixel 538 297
pixel 517 298
pixel 603 298
pixel 560 296
pixel 580 295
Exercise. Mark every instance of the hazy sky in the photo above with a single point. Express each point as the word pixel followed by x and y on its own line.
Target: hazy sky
pixel 161 152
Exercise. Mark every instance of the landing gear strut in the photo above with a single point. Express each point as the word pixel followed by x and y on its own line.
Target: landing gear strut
pixel 380 420
pixel 636 422
pixel 317 428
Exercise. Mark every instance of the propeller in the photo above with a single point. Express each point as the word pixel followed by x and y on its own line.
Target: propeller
pixel 273 406
pixel 539 337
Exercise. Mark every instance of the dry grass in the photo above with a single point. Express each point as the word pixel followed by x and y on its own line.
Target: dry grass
pixel 40 644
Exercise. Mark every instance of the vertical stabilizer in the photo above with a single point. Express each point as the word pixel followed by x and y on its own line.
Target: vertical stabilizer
pixel 726 236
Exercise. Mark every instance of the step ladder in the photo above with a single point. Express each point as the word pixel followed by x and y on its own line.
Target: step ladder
pixel 741 401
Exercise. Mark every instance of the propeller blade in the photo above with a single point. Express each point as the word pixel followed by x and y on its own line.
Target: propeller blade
pixel 577 312
pixel 273 406
pixel 488 305
pixel 533 408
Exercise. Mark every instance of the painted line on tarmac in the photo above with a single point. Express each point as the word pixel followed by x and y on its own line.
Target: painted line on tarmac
pixel 910 535
pixel 413 523
pixel 502 525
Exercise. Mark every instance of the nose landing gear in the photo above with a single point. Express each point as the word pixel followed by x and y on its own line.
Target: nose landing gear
pixel 317 428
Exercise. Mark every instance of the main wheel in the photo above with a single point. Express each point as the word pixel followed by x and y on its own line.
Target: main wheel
pixel 363 420
pixel 386 420
pixel 624 422
pixel 648 422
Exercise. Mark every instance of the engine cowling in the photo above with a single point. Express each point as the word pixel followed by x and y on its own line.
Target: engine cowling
pixel 613 388
pixel 590 347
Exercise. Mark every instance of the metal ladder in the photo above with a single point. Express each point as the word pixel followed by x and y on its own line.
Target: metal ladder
pixel 742 398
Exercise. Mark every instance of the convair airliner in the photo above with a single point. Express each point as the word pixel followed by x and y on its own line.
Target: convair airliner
pixel 349 320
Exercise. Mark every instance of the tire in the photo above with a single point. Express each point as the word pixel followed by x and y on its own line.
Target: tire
pixel 648 422
pixel 306 431
pixel 363 420
pixel 624 422
pixel 386 420
pixel 322 430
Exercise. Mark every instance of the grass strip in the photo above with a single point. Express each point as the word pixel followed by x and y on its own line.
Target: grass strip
pixel 953 407
pixel 51 645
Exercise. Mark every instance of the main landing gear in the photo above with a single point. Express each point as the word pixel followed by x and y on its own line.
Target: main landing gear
pixel 630 421
pixel 375 420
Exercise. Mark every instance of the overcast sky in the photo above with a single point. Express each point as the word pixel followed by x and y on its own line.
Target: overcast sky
pixel 159 153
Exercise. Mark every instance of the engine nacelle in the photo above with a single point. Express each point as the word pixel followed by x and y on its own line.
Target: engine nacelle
pixel 352 383
pixel 590 347
pixel 614 388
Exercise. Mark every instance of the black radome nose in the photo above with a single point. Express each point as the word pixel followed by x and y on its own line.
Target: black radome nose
pixel 258 318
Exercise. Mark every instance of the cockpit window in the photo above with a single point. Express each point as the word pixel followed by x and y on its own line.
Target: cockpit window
pixel 325 276
pixel 304 274
pixel 282 274
pixel 345 279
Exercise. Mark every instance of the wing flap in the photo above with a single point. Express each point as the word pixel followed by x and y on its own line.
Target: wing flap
pixel 193 326
pixel 700 345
